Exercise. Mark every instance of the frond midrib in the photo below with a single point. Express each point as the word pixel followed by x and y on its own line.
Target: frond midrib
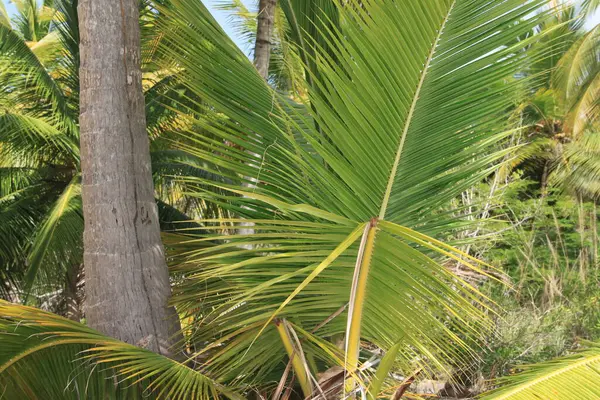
pixel 413 106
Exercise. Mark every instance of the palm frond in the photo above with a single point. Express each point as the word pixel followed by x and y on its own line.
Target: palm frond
pixel 241 19
pixel 586 112
pixel 382 107
pixel 57 242
pixel 307 21
pixel 47 356
pixel 30 136
pixel 589 7
pixel 32 19
pixel 47 49
pixel 577 76
pixel 20 210
pixel 66 24
pixel 4 18
pixel 570 378
pixel 578 170
pixel 575 66
pixel 20 61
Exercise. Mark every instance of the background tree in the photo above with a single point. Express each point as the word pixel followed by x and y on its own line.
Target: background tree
pixel 264 33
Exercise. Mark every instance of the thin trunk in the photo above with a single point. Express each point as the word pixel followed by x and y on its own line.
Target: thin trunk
pixel 127 280
pixel 544 180
pixel 264 33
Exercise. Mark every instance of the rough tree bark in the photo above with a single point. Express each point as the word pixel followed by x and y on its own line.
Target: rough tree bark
pixel 127 280
pixel 264 33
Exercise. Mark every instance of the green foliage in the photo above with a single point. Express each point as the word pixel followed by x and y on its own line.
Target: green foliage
pixel 553 248
pixel 547 244
pixel 50 357
pixel 374 138
pixel 527 335
pixel 41 212
pixel 39 135
pixel 570 378
pixel 321 170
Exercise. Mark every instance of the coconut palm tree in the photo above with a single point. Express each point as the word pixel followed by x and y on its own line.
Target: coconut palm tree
pixel 345 191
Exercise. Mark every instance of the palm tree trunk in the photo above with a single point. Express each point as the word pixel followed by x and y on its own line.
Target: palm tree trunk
pixel 544 179
pixel 264 32
pixel 127 280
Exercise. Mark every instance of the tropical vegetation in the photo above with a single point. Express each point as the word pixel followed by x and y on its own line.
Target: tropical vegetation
pixel 409 197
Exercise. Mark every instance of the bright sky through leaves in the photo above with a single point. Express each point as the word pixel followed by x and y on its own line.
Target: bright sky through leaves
pixel 223 19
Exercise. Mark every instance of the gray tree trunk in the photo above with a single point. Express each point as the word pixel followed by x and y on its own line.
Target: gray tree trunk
pixel 264 33
pixel 127 281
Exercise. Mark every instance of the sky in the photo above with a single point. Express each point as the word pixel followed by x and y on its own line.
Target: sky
pixel 593 20
pixel 222 19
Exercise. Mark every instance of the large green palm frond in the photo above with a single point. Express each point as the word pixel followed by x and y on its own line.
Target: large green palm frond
pixel 408 106
pixel 47 356
pixel 574 377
